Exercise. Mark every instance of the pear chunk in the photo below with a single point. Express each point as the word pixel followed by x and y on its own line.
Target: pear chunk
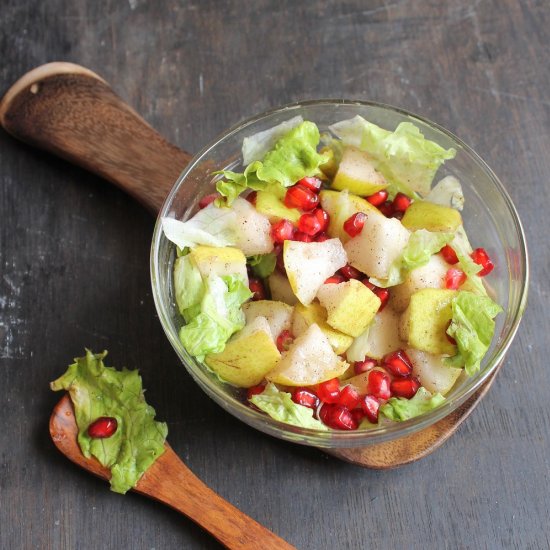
pixel 432 372
pixel 248 356
pixel 220 261
pixel 253 229
pixel 309 360
pixel 280 289
pixel 277 314
pixel 308 265
pixel 305 316
pixel 430 216
pixel 270 205
pixel 378 245
pixel 357 174
pixel 351 306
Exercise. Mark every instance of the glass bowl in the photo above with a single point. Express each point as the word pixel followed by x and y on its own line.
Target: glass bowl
pixel 490 220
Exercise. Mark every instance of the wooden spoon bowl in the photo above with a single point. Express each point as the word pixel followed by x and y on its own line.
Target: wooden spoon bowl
pixel 72 112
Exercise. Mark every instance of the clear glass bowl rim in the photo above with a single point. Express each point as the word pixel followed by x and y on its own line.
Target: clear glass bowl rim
pixel 332 439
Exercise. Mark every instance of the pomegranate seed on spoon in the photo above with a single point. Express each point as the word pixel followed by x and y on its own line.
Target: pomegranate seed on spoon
pixel 449 255
pixel 378 384
pixel 405 387
pixel 301 197
pixel 370 406
pixel 354 224
pixel 398 363
pixel 376 199
pixel 311 183
pixel 103 427
pixel 257 288
pixel 282 231
pixel 401 202
pixel 480 257
pixel 454 278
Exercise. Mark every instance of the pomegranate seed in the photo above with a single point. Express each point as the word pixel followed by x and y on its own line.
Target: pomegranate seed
pixel 103 427
pixel 323 217
pixel 449 254
pixel 378 384
pixel 284 340
pixel 335 279
pixel 368 284
pixel 254 390
pixel 480 257
pixel 338 417
pixel 309 224
pixel 301 197
pixel 370 406
pixel 398 215
pixel 405 387
pixel 305 397
pixel 282 231
pixel 350 272
pixel 358 415
pixel 359 367
pixel 329 391
pixel 311 183
pixel 251 197
pixel 398 363
pixel 376 199
pixel 207 199
pixel 257 288
pixel 349 397
pixel 354 224
pixel 454 278
pixel 386 208
pixel 401 202
pixel 321 238
pixel 303 237
pixel 384 295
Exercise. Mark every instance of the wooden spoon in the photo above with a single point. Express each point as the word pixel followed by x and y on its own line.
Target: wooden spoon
pixel 70 111
pixel 170 481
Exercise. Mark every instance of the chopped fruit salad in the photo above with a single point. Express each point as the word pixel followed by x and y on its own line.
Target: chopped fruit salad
pixel 330 281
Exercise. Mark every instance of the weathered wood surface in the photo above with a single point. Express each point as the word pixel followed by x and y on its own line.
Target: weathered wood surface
pixel 74 266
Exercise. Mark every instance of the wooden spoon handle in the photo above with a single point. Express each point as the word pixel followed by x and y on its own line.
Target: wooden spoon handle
pixel 70 111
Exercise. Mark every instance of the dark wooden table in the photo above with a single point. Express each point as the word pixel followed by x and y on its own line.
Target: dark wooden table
pixel 74 266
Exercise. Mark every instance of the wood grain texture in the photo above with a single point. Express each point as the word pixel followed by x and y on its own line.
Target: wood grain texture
pixel 74 266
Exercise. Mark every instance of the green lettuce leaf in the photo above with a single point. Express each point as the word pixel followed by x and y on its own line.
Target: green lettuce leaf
pixel 219 315
pixel 293 157
pixel 418 251
pixel 188 285
pixel 472 327
pixel 405 157
pixel 263 265
pixel 399 408
pixel 279 406
pixel 96 391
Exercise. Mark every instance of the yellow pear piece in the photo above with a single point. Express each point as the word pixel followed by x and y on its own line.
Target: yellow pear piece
pixel 431 216
pixel 357 174
pixel 432 371
pixel 351 306
pixel 247 356
pixel 425 321
pixel 277 314
pixel 305 316
pixel 270 205
pixel 212 260
pixel 309 360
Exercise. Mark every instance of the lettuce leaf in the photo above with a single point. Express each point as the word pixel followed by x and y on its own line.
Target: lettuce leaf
pixel 263 265
pixel 399 408
pixel 418 251
pixel 211 226
pixel 188 285
pixel 293 157
pixel 405 157
pixel 472 327
pixel 218 316
pixel 279 406
pixel 96 391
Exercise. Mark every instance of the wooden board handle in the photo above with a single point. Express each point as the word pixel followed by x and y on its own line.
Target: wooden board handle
pixel 72 112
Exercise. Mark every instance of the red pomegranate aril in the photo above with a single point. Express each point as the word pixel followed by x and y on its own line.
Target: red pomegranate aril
pixel 368 284
pixel 257 288
pixel 480 257
pixel 384 295
pixel 321 238
pixel 335 279
pixel 370 406
pixel 301 197
pixel 339 417
pixel 329 391
pixel 103 427
pixel 398 215
pixel 303 237
pixel 376 199
pixel 309 224
pixel 378 384
pixel 305 397
pixel 386 208
pixel 254 390
pixel 354 224
pixel 449 254
pixel 349 272
pixel 405 387
pixel 358 415
pixel 311 183
pixel 398 363
pixel 323 217
pixel 208 199
pixel 349 397
pixel 282 231
pixel 359 367
pixel 401 202
pixel 284 340
pixel 251 197
pixel 454 278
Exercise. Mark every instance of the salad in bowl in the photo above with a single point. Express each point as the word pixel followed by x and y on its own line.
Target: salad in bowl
pixel 328 282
